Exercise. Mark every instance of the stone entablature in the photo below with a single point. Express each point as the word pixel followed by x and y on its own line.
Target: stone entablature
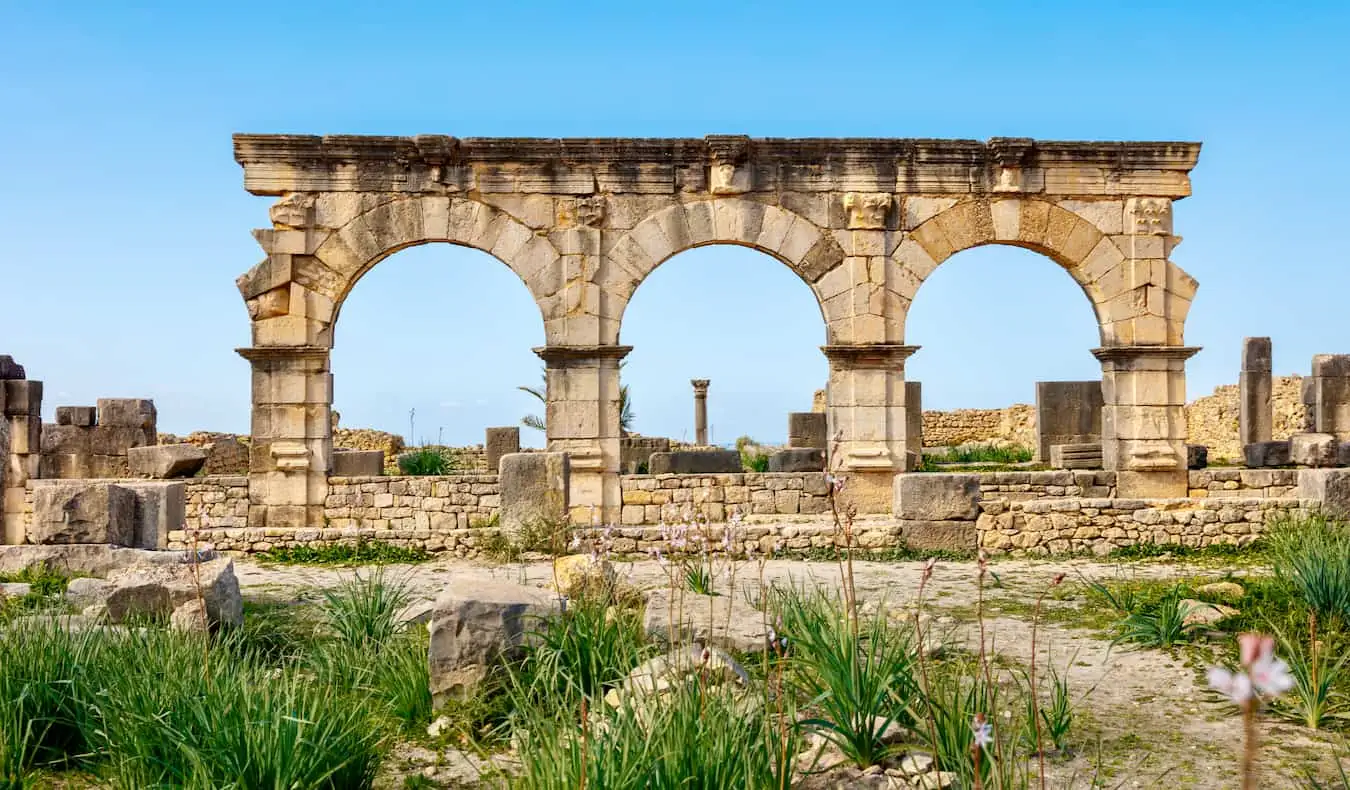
pixel 863 222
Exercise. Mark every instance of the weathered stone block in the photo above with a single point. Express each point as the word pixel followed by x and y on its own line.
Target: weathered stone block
pixel 807 429
pixel 82 513
pixel 1330 488
pixel 160 509
pixel 164 461
pixel 1197 456
pixel 695 462
pixel 499 442
pixel 107 439
pixel 1313 449
pixel 9 369
pixel 57 438
pixel 939 535
pixel 23 398
pixel 1067 412
pixel 534 489
pixel 127 412
pixel 1263 454
pixel 1256 354
pixel 82 416
pixel 1343 454
pixel 1076 456
pixel 155 591
pixel 358 463
pixel 921 496
pixel 477 622
pixel 635 452
pixel 800 459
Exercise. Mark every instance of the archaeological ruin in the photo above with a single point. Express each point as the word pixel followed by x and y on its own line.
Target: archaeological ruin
pixel 583 222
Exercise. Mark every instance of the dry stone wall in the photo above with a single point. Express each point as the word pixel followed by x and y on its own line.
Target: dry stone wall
pixel 1213 419
pixel 1015 424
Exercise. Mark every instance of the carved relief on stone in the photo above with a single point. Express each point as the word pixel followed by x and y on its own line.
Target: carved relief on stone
pixel 1149 216
pixel 726 178
pixel 290 455
pixel 1009 180
pixel 293 211
pixel 591 211
pixel 867 210
pixel 1151 456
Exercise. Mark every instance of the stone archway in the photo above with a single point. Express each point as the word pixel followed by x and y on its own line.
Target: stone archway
pixel 583 222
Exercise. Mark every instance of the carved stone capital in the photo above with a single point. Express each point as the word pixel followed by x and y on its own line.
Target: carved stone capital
pixel 580 356
pixel 1133 353
pixel 872 356
pixel 260 355
pixel 700 387
pixel 867 210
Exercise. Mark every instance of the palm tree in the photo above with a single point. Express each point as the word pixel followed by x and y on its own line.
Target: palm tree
pixel 626 415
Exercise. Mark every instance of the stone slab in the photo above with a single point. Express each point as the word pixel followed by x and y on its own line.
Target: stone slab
pixel 1067 412
pixel 1329 488
pixel 922 496
pixel 160 509
pixel 82 512
pixel 807 429
pixel 477 622
pixel 127 412
pixel 499 442
pixel 695 462
pixel 945 535
pixel 1259 455
pixel 1316 450
pixel 534 489
pixel 81 416
pixel 1076 456
pixel 165 461
pixel 94 559
pixel 358 463
pixel 798 459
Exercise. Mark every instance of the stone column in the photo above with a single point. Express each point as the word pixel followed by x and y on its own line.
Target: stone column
pixel 913 424
pixel 20 445
pixel 1327 394
pixel 582 417
pixel 865 404
pixel 1255 412
pixel 700 411
pixel 291 451
pixel 1144 418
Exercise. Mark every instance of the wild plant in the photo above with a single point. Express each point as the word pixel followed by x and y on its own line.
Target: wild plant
pixel 364 610
pixel 1052 722
pixel 1161 623
pixel 427 460
pixel 1315 698
pixel 1313 554
pixel 1260 676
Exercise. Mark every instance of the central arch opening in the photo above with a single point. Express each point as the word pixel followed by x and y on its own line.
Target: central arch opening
pixel 735 316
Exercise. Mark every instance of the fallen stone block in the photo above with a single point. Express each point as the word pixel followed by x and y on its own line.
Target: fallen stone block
pixel 695 462
pixel 84 591
pixel 1197 456
pixel 798 459
pixel 165 461
pixel 1329 489
pixel 1316 450
pixel 94 559
pixel 725 621
pixel 921 496
pixel 155 591
pixel 358 463
pixel 1259 455
pixel 78 416
pixel 476 623
pixel 534 490
pixel 946 535
pixel 80 512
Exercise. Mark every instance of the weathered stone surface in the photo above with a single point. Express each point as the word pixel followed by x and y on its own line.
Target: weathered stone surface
pixel 499 442
pixel 81 416
pixel 921 496
pixel 358 463
pixel 127 413
pixel 807 429
pixel 9 369
pixel 635 453
pixel 534 489
pixel 695 462
pixel 85 591
pixel 1256 414
pixel 79 512
pixel 725 621
pixel 1197 456
pixel 953 535
pixel 1329 488
pixel 94 559
pixel 190 617
pixel 14 590
pixel 160 509
pixel 798 460
pixel 474 624
pixel 1196 612
pixel 1343 454
pixel 155 591
pixel 1264 454
pixel 575 573
pixel 23 397
pixel 165 461
pixel 1228 591
pixel 1076 456
pixel 1067 412
pixel 1317 450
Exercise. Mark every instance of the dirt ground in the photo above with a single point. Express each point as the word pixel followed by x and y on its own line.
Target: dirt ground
pixel 1144 719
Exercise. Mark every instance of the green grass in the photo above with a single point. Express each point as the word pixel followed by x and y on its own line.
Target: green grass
pixel 981 454
pixel 361 552
pixel 427 461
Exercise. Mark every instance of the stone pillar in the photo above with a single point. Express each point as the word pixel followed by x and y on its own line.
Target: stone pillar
pixel 700 411
pixel 808 429
pixel 290 455
pixel 582 417
pixel 1255 411
pixel 499 442
pixel 1144 418
pixel 1327 394
pixel 867 420
pixel 1067 412
pixel 20 445
pixel 913 424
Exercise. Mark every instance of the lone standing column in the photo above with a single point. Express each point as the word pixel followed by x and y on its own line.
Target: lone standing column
pixel 700 411
pixel 1255 413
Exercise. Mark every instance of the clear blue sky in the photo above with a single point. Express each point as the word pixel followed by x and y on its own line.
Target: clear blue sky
pixel 125 222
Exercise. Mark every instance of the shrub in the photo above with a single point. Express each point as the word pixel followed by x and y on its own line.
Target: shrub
pixel 364 610
pixel 427 461
pixel 591 645
pixel 1317 668
pixel 1313 555
pixel 362 552
pixel 1160 623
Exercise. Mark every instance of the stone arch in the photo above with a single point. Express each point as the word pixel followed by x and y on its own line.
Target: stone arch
pixel 1138 296
pixel 305 293
pixel 808 250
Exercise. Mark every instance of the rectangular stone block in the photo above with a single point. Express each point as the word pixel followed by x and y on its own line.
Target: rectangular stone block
pixel 534 490
pixel 160 509
pixel 23 398
pixel 798 459
pixel 358 463
pixel 108 439
pixel 807 429
pixel 164 461
pixel 64 466
pixel 1197 456
pixel 1067 412
pixel 1256 355
pixel 1255 407
pixel 25 435
pixel 695 462
pixel 1076 456
pixel 80 512
pixel 1331 366
pixel 127 412
pixel 1259 455
pixel 1330 488
pixel 1316 450
pixel 82 416
pixel 635 452
pixel 499 442
pixel 939 535
pixel 913 418
pixel 921 496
